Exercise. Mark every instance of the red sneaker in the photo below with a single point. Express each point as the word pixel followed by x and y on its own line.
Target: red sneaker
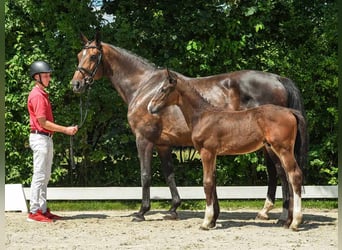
pixel 51 215
pixel 39 216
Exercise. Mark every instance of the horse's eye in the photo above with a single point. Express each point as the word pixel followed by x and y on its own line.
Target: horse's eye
pixel 93 57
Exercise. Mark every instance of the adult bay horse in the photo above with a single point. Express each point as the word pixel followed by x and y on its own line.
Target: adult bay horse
pixel 136 80
pixel 220 131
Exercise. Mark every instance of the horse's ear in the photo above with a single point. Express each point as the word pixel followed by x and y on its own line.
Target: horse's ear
pixel 172 76
pixel 98 37
pixel 84 39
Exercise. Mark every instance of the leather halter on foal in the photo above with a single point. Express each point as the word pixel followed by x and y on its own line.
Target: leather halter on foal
pixel 87 74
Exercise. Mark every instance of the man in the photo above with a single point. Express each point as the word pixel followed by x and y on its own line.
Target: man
pixel 42 128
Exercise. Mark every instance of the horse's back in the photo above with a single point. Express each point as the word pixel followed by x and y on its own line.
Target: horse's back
pixel 241 89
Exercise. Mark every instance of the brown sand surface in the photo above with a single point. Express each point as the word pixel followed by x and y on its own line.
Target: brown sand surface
pixel 236 229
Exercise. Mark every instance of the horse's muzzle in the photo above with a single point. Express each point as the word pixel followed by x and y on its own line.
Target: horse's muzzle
pixel 78 86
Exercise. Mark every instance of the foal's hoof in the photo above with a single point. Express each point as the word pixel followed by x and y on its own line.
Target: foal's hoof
pixel 171 216
pixel 294 225
pixel 262 216
pixel 208 227
pixel 294 228
pixel 138 217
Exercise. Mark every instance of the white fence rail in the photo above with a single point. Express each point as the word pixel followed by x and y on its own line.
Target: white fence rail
pixel 162 193
pixel 16 196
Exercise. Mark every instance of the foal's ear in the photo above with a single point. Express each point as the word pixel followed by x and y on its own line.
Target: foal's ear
pixel 84 39
pixel 172 76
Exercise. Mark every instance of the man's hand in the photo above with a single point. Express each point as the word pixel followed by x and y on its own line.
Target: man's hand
pixel 71 130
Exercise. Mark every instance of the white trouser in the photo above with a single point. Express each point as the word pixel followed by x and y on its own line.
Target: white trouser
pixel 42 147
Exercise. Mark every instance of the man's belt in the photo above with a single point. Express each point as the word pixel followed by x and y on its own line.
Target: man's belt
pixel 41 133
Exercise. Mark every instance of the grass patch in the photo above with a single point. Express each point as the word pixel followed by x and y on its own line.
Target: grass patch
pixel 186 205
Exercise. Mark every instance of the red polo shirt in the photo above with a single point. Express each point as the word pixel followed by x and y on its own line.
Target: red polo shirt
pixel 39 106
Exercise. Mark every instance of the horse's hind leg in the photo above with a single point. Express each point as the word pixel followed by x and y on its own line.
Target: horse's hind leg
pixel 165 154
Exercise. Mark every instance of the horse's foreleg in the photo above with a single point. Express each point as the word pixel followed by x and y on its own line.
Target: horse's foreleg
pixel 165 154
pixel 209 183
pixel 145 149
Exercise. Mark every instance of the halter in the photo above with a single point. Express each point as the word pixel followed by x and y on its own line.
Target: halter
pixel 87 74
pixel 88 77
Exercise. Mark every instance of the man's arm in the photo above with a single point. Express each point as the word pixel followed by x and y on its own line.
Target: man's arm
pixel 48 125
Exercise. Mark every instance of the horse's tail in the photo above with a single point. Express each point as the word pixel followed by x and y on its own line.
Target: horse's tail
pixel 302 141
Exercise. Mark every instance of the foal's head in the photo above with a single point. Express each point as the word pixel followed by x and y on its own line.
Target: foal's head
pixel 89 64
pixel 165 95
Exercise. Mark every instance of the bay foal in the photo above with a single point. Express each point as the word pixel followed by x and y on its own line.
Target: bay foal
pixel 217 131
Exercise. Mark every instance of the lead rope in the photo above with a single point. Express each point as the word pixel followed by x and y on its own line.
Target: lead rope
pixel 82 120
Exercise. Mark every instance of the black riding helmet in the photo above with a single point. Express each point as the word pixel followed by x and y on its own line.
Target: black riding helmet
pixel 39 67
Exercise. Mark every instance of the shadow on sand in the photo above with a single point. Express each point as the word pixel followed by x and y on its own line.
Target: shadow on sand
pixel 82 216
pixel 228 219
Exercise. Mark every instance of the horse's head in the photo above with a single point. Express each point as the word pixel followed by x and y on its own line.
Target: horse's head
pixel 89 64
pixel 163 96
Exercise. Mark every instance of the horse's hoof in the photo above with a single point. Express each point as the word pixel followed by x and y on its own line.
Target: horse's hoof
pixel 138 217
pixel 171 216
pixel 261 216
pixel 280 222
pixel 286 225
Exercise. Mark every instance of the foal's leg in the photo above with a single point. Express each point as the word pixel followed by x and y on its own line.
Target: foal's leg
pixel 271 189
pixel 209 183
pixel 165 154
pixel 145 149
pixel 295 177
pixel 275 169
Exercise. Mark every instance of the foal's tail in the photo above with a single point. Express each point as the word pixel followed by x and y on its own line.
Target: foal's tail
pixel 301 129
pixel 302 141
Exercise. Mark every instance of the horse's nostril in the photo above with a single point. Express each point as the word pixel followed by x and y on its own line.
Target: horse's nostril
pixel 75 84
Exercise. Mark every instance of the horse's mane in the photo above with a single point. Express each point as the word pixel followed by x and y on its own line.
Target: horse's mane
pixel 133 58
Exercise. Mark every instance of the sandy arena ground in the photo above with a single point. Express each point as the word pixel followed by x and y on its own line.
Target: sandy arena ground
pixel 236 229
